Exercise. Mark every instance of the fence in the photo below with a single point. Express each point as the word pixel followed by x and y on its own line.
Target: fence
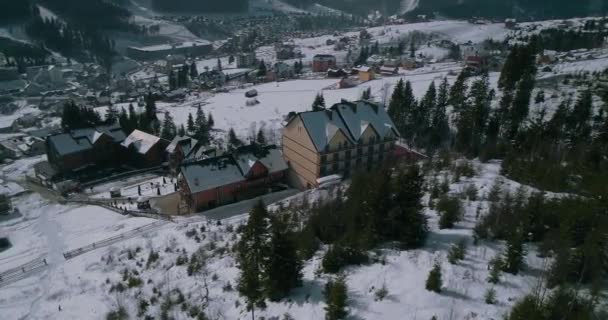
pixel 109 241
pixel 136 213
pixel 23 271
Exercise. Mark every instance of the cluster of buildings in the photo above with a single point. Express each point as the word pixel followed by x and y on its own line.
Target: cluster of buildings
pixel 346 137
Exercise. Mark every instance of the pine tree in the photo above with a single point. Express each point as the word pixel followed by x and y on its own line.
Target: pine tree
pixel 262 69
pixel 284 268
pixel 233 140
pixel 190 123
pixel 366 94
pixel 521 103
pixel 335 299
pixel 395 106
pixel 406 222
pixel 202 129
pixel 440 128
pixel 133 120
pixel 150 108
pixel 459 90
pixel 210 121
pixel 252 256
pixel 219 64
pixel 193 70
pixel 450 211
pixel 319 102
pixel 513 259
pixel 231 59
pixel 409 105
pixel 495 268
pixel 123 120
pixel 168 128
pixel 490 296
pixel 433 281
pixel 261 138
pixel 182 131
pixel 111 114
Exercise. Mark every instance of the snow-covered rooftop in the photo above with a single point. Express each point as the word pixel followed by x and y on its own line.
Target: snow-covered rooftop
pixel 141 141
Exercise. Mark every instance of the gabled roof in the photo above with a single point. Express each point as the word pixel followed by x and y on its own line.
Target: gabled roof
pixel 360 114
pixel 229 168
pixel 351 118
pixel 322 126
pixel 141 141
pixel 188 144
pixel 83 139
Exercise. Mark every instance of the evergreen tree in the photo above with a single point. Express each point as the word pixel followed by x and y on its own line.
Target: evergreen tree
pixel 150 108
pixel 219 64
pixel 172 80
pixel 450 211
pixel 319 102
pixel 233 140
pixel 202 129
pixel 495 268
pixel 459 90
pixel 366 94
pixel 409 105
pixel 181 131
pixel 283 268
pixel 407 222
pixel 210 121
pixel 168 129
pixel 262 69
pixel 193 71
pixel 433 281
pixel 261 138
pixel 440 128
pixel 190 123
pixel 252 257
pixel 513 259
pixel 521 103
pixel 336 298
pixel 123 120
pixel 111 114
pixel 395 106
pixel 70 117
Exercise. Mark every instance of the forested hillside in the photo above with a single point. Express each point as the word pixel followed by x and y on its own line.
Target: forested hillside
pixel 200 6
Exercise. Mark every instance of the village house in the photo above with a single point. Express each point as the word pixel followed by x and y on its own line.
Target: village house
pixel 245 60
pixel 365 73
pixel 144 150
pixel 323 62
pixel 346 137
pixel 244 173
pixel 68 153
pixel 189 48
pixel 185 148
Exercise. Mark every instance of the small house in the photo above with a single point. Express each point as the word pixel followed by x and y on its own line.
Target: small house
pixel 365 73
pixel 389 70
pixel 336 73
pixel 144 150
pixel 323 62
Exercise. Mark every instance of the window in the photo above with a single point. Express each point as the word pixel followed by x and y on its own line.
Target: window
pixel 336 156
pixel 323 158
pixel 334 167
pixel 359 151
pixel 348 154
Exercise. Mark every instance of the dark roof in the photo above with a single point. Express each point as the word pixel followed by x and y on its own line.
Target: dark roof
pixel 188 144
pixel 352 118
pixel 229 168
pixel 79 140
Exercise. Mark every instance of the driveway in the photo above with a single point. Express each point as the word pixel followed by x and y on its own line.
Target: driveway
pixel 245 206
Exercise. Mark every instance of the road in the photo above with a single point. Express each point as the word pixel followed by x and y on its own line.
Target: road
pixel 244 206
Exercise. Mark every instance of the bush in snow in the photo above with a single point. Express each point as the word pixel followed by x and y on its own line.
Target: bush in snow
pixel 450 211
pixel 338 257
pixel 457 252
pixel 381 293
pixel 335 297
pixel 434 282
pixel 118 314
pixel 471 192
pixel 495 268
pixel 490 296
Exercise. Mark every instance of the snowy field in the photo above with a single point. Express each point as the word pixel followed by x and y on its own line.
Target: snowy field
pixel 81 286
pixel 277 99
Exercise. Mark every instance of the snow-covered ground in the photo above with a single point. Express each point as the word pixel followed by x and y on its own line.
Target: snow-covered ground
pixel 277 99
pixel 148 187
pixel 81 286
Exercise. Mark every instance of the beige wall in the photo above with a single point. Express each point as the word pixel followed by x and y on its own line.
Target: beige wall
pixel 301 154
